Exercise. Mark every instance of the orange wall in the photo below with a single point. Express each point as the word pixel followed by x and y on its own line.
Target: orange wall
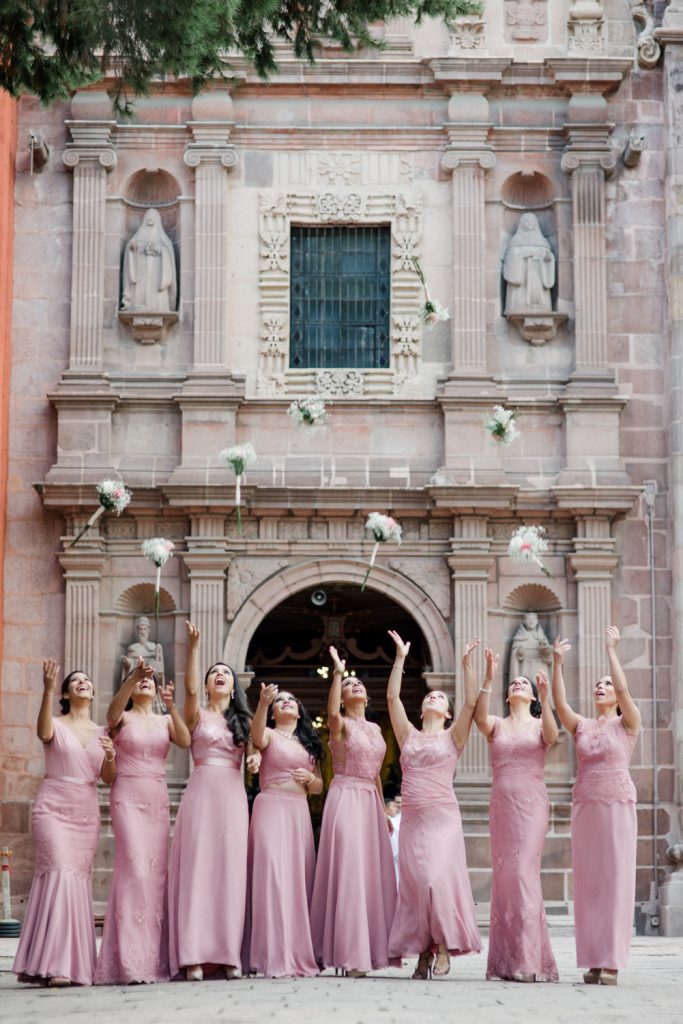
pixel 8 144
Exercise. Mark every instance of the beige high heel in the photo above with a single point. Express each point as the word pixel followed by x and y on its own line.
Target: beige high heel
pixel 441 972
pixel 194 973
pixel 592 977
pixel 231 973
pixel 608 977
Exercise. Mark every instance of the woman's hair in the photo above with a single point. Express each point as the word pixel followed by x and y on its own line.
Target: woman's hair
pixel 237 714
pixel 536 708
pixel 64 702
pixel 305 731
pixel 447 722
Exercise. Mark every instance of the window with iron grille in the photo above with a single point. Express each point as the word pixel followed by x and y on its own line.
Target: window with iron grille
pixel 340 287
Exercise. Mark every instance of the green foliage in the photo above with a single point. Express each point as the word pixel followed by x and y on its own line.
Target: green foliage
pixel 51 47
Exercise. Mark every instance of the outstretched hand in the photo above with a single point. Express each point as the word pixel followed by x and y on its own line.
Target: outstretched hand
pixel 402 647
pixel 339 663
pixel 542 685
pixel 492 660
pixel 50 674
pixel 613 637
pixel 192 633
pixel 470 648
pixel 268 693
pixel 167 694
pixel 560 648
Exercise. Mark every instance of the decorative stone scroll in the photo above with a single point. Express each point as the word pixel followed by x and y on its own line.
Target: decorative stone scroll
pixel 648 50
pixel 403 212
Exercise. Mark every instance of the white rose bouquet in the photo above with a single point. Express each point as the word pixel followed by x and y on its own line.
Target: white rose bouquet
pixel 501 426
pixel 384 529
pixel 239 458
pixel 529 545
pixel 114 497
pixel 158 550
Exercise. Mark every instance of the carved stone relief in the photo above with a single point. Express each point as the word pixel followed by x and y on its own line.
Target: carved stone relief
pixel 529 275
pixel 245 575
pixel 526 21
pixel 468 32
pixel 149 295
pixel 339 168
pixel 339 383
pixel 432 575
pixel 306 169
pixel 648 50
pixel 586 27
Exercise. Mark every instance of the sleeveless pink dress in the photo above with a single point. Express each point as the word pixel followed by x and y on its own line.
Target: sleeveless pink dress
pixel 519 942
pixel 281 869
pixel 435 903
pixel 207 877
pixel 604 838
pixel 58 934
pixel 134 941
pixel 354 896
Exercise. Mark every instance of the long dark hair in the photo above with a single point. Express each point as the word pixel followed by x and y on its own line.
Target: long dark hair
pixel 64 702
pixel 536 708
pixel 237 714
pixel 305 731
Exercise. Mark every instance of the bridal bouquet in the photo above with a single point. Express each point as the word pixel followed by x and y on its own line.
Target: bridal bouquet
pixel 383 529
pixel 501 426
pixel 239 458
pixel 158 550
pixel 431 312
pixel 529 545
pixel 308 412
pixel 114 497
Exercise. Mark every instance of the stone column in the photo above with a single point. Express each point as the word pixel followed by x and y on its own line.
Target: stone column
pixel 471 565
pixel 593 562
pixel 207 560
pixel 82 573
pixel 90 155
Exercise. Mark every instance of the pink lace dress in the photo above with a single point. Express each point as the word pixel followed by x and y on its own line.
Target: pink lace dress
pixel 58 934
pixel 354 896
pixel 134 941
pixel 518 940
pixel 281 869
pixel 435 904
pixel 207 878
pixel 604 837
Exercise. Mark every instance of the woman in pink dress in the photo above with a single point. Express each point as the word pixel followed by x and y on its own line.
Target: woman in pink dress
pixel 354 896
pixel 604 825
pixel 435 909
pixel 281 864
pixel 135 940
pixel 207 880
pixel 519 944
pixel 57 944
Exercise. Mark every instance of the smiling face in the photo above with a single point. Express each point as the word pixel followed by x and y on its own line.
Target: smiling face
pixel 353 689
pixel 436 704
pixel 80 687
pixel 604 695
pixel 220 681
pixel 520 689
pixel 285 707
pixel 144 690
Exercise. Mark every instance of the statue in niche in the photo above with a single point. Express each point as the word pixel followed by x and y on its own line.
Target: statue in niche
pixel 149 270
pixel 531 651
pixel 153 654
pixel 529 274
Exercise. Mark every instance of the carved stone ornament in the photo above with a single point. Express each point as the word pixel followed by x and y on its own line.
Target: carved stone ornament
pixel 245 575
pixel 586 27
pixel 339 383
pixel 148 300
pixel 634 148
pixel 431 575
pixel 529 275
pixel 344 206
pixel 468 32
pixel 648 50
pixel 526 21
pixel 339 168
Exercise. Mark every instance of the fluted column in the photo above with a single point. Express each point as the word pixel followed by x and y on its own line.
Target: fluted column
pixel 207 560
pixel 90 155
pixel 82 573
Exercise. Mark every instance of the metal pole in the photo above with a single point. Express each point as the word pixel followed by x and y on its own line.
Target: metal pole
pixel 650 497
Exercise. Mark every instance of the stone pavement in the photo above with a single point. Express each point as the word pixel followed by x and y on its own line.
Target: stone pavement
pixel 651 990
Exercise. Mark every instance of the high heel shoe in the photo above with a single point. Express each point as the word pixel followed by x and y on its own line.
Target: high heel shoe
pixel 441 971
pixel 592 977
pixel 423 970
pixel 58 982
pixel 231 973
pixel 528 978
pixel 608 977
pixel 194 973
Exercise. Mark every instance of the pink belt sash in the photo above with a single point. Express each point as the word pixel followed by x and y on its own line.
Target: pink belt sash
pixel 215 762
pixel 71 778
pixel 354 782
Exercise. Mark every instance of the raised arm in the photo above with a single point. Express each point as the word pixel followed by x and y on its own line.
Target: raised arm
pixel 335 720
pixel 191 706
pixel 567 715
pixel 463 723
pixel 108 769
pixel 124 693
pixel 259 732
pixel 548 723
pixel 629 708
pixel 397 713
pixel 177 729
pixel 50 673
pixel 486 722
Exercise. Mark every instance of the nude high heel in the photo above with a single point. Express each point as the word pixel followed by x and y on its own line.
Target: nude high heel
pixel 194 973
pixel 608 977
pixel 439 970
pixel 592 977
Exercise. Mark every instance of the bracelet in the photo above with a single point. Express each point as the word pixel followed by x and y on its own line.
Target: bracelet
pixel 485 689
pixel 110 759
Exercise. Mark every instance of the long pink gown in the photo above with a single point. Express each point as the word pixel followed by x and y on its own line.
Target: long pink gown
pixel 435 904
pixel 281 869
pixel 58 934
pixel 519 942
pixel 135 940
pixel 354 896
pixel 604 837
pixel 207 878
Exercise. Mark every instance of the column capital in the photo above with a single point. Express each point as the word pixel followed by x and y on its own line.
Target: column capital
pixel 210 144
pixel 471 565
pixel 208 564
pixel 467 146
pixel 91 142
pixel 593 565
pixel 84 565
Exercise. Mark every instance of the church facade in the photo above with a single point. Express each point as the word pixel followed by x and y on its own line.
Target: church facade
pixel 181 278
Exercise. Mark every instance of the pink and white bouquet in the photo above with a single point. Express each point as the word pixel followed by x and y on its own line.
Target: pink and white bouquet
pixel 431 313
pixel 501 426
pixel 308 412
pixel 158 550
pixel 114 497
pixel 239 458
pixel 384 529
pixel 529 545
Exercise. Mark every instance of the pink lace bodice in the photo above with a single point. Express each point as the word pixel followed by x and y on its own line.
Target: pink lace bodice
pixel 603 753
pixel 361 750
pixel 280 758
pixel 428 763
pixel 519 750
pixel 139 752
pixel 67 758
pixel 211 737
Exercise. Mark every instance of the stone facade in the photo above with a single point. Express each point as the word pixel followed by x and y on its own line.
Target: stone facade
pixel 449 136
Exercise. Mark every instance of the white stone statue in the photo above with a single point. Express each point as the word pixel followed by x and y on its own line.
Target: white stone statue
pixel 149 270
pixel 528 269
pixel 531 650
pixel 153 654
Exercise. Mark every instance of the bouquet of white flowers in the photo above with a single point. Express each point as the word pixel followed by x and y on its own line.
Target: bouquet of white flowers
pixel 431 312
pixel 501 425
pixel 308 412
pixel 528 545
pixel 158 550
pixel 114 497
pixel 384 529
pixel 239 458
